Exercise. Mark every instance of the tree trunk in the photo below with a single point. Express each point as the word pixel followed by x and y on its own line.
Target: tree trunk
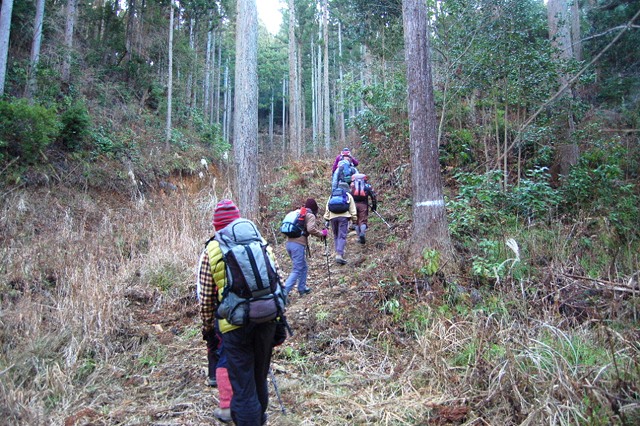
pixel 284 115
pixel 340 109
pixel 430 229
pixel 169 80
pixel 245 128
pixel 72 6
pixel 294 87
pixel 325 89
pixel 35 51
pixel 575 31
pixel 5 30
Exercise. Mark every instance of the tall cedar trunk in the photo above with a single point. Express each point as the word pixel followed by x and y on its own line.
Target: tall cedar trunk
pixel 218 76
pixel 169 80
pixel 576 41
pixel 560 34
pixel 284 114
pixel 340 110
pixel 35 51
pixel 429 217
pixel 188 96
pixel 294 87
pixel 72 6
pixel 207 71
pixel 314 94
pixel 325 88
pixel 245 139
pixel 5 30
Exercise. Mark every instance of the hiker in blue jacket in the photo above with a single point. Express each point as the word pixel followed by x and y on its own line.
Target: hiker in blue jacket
pixel 296 248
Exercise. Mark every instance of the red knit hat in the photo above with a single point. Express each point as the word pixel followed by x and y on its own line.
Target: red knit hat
pixel 225 213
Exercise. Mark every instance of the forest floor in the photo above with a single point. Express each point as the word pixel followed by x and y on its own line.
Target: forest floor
pixel 100 322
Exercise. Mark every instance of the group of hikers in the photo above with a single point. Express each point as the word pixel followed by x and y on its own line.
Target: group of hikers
pixel 242 300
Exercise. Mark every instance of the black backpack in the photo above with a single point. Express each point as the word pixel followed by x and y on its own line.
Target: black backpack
pixel 294 225
pixel 252 292
pixel 339 201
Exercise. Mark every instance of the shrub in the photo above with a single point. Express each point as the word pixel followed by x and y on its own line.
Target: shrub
pixel 76 126
pixel 25 130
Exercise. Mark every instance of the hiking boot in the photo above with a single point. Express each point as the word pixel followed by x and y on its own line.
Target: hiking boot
pixel 305 291
pixel 362 240
pixel 340 259
pixel 222 414
pixel 212 382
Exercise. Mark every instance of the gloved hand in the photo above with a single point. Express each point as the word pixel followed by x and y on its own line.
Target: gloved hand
pixel 209 334
pixel 324 232
pixel 374 207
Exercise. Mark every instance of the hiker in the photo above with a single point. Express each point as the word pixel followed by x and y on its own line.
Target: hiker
pixel 361 191
pixel 217 367
pixel 343 173
pixel 340 209
pixel 247 340
pixel 345 153
pixel 297 243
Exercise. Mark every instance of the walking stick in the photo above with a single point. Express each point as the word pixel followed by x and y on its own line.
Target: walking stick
pixel 275 386
pixel 326 253
pixel 385 222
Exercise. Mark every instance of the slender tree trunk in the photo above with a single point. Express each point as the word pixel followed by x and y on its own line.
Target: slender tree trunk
pixel 169 80
pixel 35 51
pixel 314 95
pixel 294 86
pixel 192 23
pixel 575 31
pixel 245 140
pixel 207 72
pixel 271 122
pixel 225 107
pixel 218 74
pixel 72 6
pixel 340 109
pixel 429 230
pixel 284 115
pixel 5 30
pixel 325 89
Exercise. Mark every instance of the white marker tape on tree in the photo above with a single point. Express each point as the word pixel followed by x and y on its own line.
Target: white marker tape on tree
pixel 435 203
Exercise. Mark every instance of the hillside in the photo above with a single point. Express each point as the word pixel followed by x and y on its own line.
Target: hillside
pixel 100 324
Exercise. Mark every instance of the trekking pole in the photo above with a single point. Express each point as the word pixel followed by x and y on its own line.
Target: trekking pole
pixel 326 253
pixel 385 222
pixel 275 386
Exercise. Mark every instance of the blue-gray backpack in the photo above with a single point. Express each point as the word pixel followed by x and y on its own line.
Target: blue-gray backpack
pixel 339 201
pixel 252 292
pixel 293 225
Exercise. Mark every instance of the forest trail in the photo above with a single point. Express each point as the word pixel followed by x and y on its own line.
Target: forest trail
pixel 174 391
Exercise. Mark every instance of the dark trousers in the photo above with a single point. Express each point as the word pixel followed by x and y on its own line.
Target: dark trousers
pixel 248 351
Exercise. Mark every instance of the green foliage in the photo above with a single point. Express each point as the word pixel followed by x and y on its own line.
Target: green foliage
pixel 598 185
pixel 431 262
pixel 25 130
pixel 76 126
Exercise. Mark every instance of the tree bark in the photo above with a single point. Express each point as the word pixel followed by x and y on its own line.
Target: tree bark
pixel 169 80
pixel 72 6
pixel 294 86
pixel 245 140
pixel 35 51
pixel 325 89
pixel 430 230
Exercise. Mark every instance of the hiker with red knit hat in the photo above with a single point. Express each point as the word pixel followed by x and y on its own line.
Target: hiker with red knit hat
pixel 247 347
pixel 296 245
pixel 344 155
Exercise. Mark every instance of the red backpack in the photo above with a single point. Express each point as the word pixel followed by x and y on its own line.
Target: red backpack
pixel 358 187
